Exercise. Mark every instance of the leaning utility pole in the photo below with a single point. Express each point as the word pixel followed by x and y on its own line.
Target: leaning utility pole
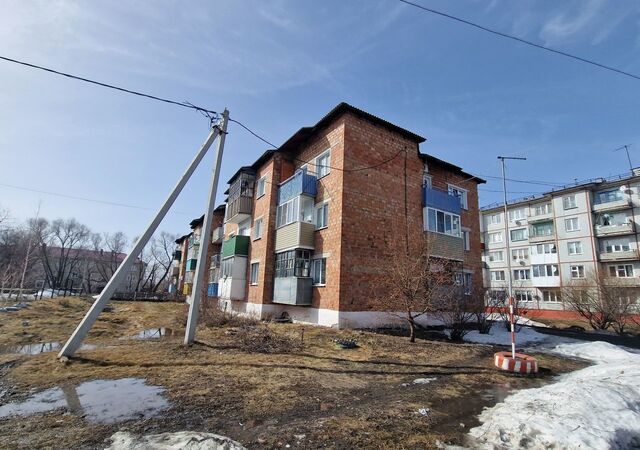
pixel 509 274
pixel 123 270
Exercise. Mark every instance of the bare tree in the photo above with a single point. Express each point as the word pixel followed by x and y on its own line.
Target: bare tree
pixel 162 248
pixel 108 248
pixel 604 301
pixel 414 283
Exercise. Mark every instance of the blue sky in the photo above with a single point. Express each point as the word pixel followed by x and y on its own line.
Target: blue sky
pixel 280 65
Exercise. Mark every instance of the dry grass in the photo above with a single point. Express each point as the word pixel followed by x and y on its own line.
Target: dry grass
pixel 336 398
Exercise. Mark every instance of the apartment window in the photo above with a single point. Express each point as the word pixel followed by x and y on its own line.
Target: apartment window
pixel 521 274
pixel 519 253
pixel 261 187
pixel 497 275
pixel 443 222
pixel 287 213
pixel 543 249
pixel 517 214
pixel 497 296
pixel 466 239
pixel 574 247
pixel 571 224
pixel 542 229
pixel 542 208
pixel 577 271
pixel 468 283
pixel 257 229
pixel 427 181
pixel 545 270
pixel 319 271
pixel 621 271
pixel 293 263
pixel 551 296
pixel 323 163
pixel 495 238
pixel 493 219
pixel 523 296
pixel 608 196
pixel 496 256
pixel 519 235
pixel 569 202
pixel 612 219
pixel 253 279
pixel 615 245
pixel 322 215
pixel 460 193
pixel 244 228
pixel 226 267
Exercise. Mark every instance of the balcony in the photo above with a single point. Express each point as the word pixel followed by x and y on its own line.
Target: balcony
pixel 217 235
pixel 236 245
pixel 215 261
pixel 546 217
pixel 616 229
pixel 240 201
pixel 441 200
pixel 293 290
pixel 622 203
pixel 618 256
pixel 175 271
pixel 188 277
pixel 212 290
pixel 177 255
pixel 298 184
pixel 544 282
pixel 621 282
pixel 541 237
pixel 295 235
pixel 191 265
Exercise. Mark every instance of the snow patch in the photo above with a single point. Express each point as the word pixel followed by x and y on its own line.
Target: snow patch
pixel 188 440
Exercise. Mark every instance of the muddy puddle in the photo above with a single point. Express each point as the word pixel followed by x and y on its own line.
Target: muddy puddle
pixel 98 401
pixel 153 333
pixel 39 347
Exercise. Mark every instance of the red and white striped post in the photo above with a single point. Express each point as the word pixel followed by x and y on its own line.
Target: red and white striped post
pixel 513 327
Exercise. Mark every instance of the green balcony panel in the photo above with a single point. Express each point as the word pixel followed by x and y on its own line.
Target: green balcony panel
pixel 237 245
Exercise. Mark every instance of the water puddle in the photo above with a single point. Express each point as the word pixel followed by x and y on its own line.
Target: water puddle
pixel 39 347
pixel 153 333
pixel 99 401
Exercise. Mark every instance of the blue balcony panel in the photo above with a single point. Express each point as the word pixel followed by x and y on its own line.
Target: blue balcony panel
pixel 300 183
pixel 441 200
pixel 212 290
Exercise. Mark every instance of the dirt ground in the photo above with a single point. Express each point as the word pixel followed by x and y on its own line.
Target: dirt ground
pixel 316 396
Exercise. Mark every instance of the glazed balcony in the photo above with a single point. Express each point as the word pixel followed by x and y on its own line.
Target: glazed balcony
pixel 217 235
pixel 300 183
pixel 438 199
pixel 240 200
pixel 612 205
pixel 295 235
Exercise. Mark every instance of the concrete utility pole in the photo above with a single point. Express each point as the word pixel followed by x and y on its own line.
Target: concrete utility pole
pixel 205 237
pixel 509 274
pixel 123 270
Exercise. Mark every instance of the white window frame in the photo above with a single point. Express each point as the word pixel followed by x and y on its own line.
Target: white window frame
pixel 493 256
pixel 466 239
pixel 315 262
pixel 322 170
pixel 525 234
pixel 517 214
pixel 547 249
pixel 577 271
pixel 261 187
pixel 291 211
pixel 616 269
pixel 461 193
pixel 497 275
pixel 574 248
pixel 519 253
pixel 427 180
pixel 455 231
pixel 569 201
pixel 521 274
pixel 571 220
pixel 317 210
pixel 551 296
pixel 254 273
pixel 494 219
pixel 523 296
pixel 257 228
pixel 544 270
pixel 496 235
pixel 542 208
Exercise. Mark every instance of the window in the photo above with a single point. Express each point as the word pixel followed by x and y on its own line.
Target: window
pixel 443 222
pixel 574 247
pixel 323 162
pixel 496 256
pixel 523 296
pixel 569 202
pixel 322 215
pixel 257 229
pixel 497 297
pixel 468 283
pixel 621 271
pixel 571 224
pixel 545 270
pixel 497 275
pixel 494 238
pixel 466 240
pixel 542 208
pixel 612 219
pixel 608 196
pixel 261 187
pixel 427 181
pixel 493 219
pixel 551 296
pixel 577 271
pixel 319 271
pixel 460 193
pixel 226 267
pixel 521 274
pixel 542 229
pixel 519 253
pixel 519 235
pixel 615 245
pixel 293 263
pixel 287 212
pixel 517 214
pixel 244 228
pixel 543 249
pixel 254 273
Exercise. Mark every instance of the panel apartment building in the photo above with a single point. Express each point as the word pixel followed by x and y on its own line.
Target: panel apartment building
pixel 309 227
pixel 563 237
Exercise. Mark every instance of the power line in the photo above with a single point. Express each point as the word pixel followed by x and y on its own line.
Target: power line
pixel 184 104
pixel 86 199
pixel 523 41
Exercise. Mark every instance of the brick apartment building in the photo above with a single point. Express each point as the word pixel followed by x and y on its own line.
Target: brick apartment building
pixel 309 227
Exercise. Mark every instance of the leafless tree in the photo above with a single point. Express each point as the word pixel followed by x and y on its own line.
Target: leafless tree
pixel 108 248
pixel 604 301
pixel 162 248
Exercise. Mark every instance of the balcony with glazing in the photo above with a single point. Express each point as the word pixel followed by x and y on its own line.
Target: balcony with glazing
pixel 218 235
pixel 611 200
pixel 240 200
pixel 295 212
pixel 541 231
